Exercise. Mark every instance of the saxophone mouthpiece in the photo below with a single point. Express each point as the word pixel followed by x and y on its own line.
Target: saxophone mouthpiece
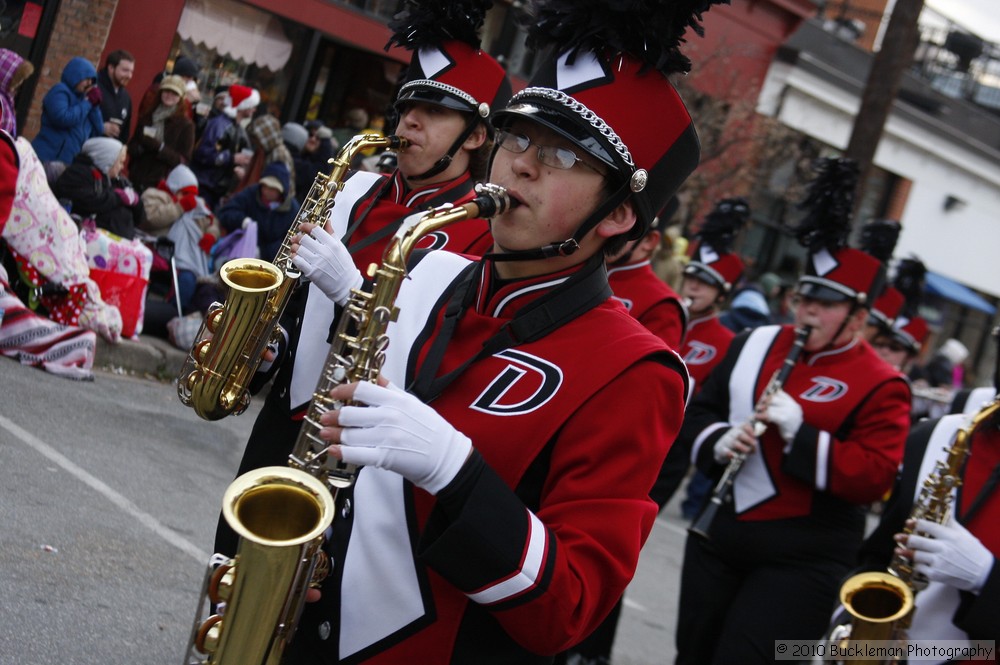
pixel 397 142
pixel 493 200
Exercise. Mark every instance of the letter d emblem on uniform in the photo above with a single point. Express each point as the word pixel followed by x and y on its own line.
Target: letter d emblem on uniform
pixel 824 389
pixel 524 385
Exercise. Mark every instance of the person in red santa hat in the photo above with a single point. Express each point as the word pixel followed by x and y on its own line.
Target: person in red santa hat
pixel 224 145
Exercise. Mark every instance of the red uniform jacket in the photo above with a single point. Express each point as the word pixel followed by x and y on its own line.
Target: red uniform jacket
pixel 369 210
pixel 650 300
pixel 856 412
pixel 705 345
pixel 553 510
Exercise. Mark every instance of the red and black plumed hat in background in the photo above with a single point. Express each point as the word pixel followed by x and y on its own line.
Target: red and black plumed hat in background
pixel 448 67
pixel 834 271
pixel 879 238
pixel 712 260
pixel 910 329
pixel 602 84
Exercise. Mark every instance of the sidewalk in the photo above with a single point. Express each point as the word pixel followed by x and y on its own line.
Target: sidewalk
pixel 148 356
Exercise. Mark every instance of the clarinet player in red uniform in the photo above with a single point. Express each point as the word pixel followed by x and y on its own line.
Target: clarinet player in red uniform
pixel 775 554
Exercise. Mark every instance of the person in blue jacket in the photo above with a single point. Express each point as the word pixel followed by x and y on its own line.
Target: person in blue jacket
pixel 71 113
pixel 265 203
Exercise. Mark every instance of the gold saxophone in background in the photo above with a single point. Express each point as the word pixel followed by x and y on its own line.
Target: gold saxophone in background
pixel 881 604
pixel 228 347
pixel 282 513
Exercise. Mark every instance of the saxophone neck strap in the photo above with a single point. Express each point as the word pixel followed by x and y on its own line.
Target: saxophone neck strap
pixel 577 295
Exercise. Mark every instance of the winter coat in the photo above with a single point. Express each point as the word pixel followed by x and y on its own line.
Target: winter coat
pixel 150 160
pixel 93 194
pixel 272 223
pixel 68 118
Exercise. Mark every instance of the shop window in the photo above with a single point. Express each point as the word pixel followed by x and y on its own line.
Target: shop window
pixel 237 43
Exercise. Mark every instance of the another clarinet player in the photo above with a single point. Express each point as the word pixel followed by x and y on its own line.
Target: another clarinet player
pixel 779 546
pixel 959 557
pixel 505 496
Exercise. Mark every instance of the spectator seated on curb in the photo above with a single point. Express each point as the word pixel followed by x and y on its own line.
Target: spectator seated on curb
pixel 266 204
pixel 171 198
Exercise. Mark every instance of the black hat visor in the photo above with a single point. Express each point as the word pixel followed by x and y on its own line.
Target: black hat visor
pixel 564 125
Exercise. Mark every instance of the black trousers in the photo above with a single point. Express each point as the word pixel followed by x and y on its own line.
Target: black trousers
pixel 736 601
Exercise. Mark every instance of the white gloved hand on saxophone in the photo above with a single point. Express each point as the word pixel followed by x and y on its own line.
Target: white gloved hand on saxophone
pixel 325 261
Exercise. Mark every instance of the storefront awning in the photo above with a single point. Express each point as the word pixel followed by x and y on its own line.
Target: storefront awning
pixel 951 290
pixel 236 30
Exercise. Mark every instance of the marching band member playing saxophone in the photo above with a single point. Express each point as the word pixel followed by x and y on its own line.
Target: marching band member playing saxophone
pixel 960 557
pixel 444 106
pixel 775 555
pixel 505 493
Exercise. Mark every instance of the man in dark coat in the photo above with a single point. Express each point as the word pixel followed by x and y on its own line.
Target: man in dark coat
pixel 116 104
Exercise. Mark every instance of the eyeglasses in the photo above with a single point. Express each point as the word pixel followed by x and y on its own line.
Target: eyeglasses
pixel 557 158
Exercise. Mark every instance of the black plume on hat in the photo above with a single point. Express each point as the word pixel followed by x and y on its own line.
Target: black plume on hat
pixel 879 238
pixel 828 204
pixel 909 281
pixel 423 23
pixel 723 224
pixel 651 30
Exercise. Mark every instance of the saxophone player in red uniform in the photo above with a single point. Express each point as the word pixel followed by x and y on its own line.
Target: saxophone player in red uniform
pixel 505 493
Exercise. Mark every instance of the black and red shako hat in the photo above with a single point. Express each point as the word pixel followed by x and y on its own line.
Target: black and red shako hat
pixel 834 271
pixel 458 76
pixel 911 332
pixel 886 308
pixel 721 270
pixel 602 84
pixel 843 274
pixel 628 116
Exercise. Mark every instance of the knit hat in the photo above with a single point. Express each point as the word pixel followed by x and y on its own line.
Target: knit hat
pixel 295 135
pixel 185 66
pixel 275 175
pixel 954 351
pixel 181 176
pixel 173 83
pixel 104 151
pixel 241 98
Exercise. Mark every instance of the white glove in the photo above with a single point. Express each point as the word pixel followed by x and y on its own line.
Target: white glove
pixel 398 432
pixel 786 413
pixel 725 447
pixel 324 259
pixel 950 555
pixel 247 221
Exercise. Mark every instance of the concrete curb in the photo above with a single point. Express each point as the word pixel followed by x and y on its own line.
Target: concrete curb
pixel 147 356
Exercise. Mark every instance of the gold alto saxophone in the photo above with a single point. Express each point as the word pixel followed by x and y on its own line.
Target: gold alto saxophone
pixel 282 513
pixel 881 604
pixel 228 347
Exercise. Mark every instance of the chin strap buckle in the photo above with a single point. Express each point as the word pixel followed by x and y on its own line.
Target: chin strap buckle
pixel 567 247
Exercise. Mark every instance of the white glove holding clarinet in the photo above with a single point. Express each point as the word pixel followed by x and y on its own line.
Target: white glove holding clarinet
pixel 784 412
pixel 325 261
pixel 738 439
pixel 394 430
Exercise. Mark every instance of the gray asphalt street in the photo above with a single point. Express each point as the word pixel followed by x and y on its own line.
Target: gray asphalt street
pixel 108 506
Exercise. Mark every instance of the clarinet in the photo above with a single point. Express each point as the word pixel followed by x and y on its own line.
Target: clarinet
pixel 724 487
